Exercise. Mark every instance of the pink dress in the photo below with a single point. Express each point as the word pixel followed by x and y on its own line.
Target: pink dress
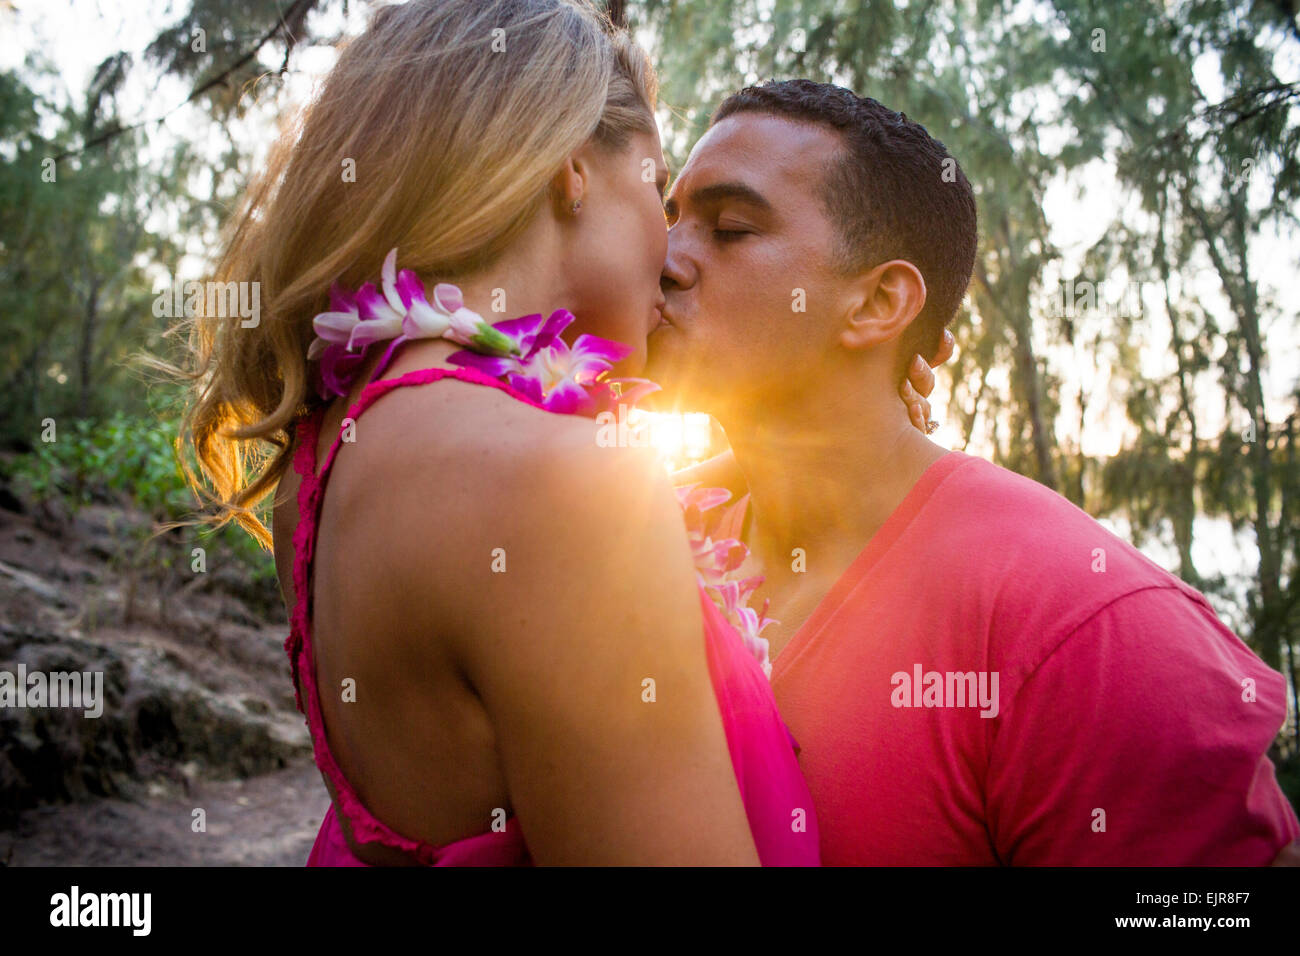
pixel 776 798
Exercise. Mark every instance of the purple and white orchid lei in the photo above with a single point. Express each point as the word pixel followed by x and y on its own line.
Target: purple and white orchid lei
pixel 529 355
pixel 527 352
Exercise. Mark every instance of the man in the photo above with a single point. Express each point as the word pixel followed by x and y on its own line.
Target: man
pixel 976 671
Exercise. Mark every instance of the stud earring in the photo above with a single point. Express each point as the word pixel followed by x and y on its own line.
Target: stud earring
pixel 577 204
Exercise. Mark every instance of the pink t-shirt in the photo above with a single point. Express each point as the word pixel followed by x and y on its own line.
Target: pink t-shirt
pixel 999 679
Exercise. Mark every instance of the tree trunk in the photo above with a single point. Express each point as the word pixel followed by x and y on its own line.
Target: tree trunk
pixel 86 352
pixel 1016 317
pixel 1184 506
pixel 1243 296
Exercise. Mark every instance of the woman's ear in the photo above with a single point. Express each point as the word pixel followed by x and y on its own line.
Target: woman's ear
pixel 886 301
pixel 569 185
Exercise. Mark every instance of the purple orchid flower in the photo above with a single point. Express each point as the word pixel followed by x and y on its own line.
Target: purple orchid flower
pixel 402 311
pixel 718 558
pixel 562 373
pixel 335 326
pixel 465 326
pixel 338 367
pixel 747 622
pixel 609 393
pixel 547 370
pixel 527 334
pixel 404 293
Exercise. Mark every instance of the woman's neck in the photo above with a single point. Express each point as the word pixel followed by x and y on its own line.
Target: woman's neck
pixel 523 281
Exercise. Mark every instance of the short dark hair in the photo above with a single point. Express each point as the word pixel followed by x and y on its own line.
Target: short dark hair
pixel 894 192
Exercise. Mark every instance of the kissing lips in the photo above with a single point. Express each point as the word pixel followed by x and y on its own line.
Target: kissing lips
pixel 658 319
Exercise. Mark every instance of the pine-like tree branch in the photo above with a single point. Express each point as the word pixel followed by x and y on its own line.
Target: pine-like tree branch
pixel 295 13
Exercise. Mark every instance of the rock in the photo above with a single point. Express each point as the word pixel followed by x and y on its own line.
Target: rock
pixel 31 582
pixel 197 692
pixel 58 753
pixel 10 501
pixel 154 706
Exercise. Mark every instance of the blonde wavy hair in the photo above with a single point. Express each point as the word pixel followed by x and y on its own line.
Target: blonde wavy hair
pixel 455 115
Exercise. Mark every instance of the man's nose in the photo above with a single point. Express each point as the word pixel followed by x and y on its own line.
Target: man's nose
pixel 679 270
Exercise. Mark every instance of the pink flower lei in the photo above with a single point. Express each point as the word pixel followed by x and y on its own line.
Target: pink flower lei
pixel 714 534
pixel 528 354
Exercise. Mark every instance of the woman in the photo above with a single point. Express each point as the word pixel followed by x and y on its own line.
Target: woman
pixel 495 620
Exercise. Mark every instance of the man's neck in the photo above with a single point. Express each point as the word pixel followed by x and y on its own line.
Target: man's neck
pixel 822 479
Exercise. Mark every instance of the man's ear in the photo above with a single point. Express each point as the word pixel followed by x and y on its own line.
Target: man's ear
pixel 888 298
pixel 569 185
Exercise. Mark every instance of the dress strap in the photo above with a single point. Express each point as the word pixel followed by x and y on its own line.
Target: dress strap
pixel 378 389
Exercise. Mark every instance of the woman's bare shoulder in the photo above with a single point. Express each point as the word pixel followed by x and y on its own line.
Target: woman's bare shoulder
pixel 460 430
pixel 471 467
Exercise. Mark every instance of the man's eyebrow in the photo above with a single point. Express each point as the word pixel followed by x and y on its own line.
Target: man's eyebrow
pixel 719 192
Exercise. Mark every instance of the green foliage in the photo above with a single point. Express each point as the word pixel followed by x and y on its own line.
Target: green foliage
pixel 95 460
pixel 74 302
pixel 131 459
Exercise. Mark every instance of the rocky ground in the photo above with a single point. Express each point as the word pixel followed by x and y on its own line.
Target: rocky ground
pixel 198 710
pixel 267 820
